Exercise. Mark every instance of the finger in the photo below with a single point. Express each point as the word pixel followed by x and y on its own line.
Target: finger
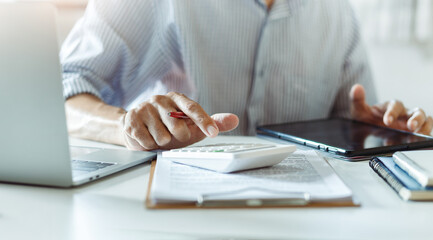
pixel 129 142
pixel 135 130
pixel 226 121
pixel 427 127
pixel 144 138
pixel 416 120
pixel 394 110
pixel 196 113
pixel 151 119
pixel 177 127
pixel 379 110
pixel 132 144
pixel 358 103
pixel 357 94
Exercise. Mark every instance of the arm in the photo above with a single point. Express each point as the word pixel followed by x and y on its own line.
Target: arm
pixel 98 55
pixel 89 117
pixel 354 101
pixel 146 127
pixel 105 50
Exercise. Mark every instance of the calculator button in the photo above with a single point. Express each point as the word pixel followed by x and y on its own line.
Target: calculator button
pixel 250 148
pixel 223 156
pixel 226 147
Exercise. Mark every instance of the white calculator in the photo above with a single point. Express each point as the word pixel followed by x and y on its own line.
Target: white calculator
pixel 230 157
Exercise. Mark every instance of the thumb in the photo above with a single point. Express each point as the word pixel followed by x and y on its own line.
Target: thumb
pixel 357 94
pixel 357 98
pixel 225 121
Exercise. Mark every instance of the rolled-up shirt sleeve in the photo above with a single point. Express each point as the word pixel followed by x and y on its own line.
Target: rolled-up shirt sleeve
pixel 106 47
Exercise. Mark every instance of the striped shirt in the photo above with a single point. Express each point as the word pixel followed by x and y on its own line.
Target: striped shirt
pixel 296 61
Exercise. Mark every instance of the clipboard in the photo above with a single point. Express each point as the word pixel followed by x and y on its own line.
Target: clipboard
pixel 300 201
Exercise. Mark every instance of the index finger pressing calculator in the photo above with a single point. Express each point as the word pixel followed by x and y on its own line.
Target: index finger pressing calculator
pixel 230 157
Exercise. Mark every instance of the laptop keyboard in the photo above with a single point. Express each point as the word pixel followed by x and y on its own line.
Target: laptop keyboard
pixel 80 167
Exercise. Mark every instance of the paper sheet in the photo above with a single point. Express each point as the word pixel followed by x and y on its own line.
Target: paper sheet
pixel 303 171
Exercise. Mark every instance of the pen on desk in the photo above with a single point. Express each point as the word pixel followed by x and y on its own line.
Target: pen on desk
pixel 178 115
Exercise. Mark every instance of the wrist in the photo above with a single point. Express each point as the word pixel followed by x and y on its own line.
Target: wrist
pixel 108 121
pixel 120 128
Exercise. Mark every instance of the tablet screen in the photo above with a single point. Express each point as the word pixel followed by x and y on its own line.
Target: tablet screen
pixel 351 136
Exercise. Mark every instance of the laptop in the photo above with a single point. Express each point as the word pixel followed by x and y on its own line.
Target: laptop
pixel 34 147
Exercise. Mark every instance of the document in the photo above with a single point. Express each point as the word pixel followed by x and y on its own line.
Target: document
pixel 303 172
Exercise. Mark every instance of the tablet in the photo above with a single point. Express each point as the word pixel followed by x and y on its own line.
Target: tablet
pixel 347 137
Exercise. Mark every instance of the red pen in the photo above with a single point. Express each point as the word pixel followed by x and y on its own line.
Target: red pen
pixel 178 115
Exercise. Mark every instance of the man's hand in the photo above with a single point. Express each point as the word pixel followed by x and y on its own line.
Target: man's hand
pixel 149 127
pixel 390 114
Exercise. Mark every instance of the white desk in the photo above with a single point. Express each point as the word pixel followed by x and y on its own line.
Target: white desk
pixel 113 208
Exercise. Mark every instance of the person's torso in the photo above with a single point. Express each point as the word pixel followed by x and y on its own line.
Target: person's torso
pixel 265 66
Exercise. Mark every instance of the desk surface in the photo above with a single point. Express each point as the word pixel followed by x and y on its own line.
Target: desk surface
pixel 113 208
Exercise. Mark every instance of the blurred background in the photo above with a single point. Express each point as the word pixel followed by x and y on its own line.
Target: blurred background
pixel 398 35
